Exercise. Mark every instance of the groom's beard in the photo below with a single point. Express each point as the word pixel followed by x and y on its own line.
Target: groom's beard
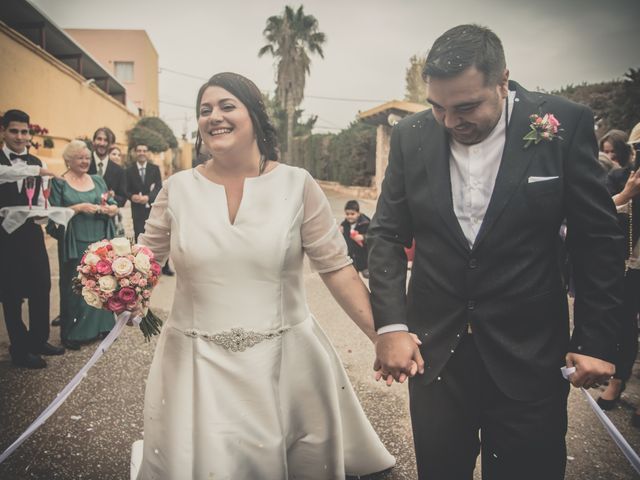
pixel 471 133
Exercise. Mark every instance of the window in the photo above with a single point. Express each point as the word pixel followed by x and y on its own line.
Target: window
pixel 124 71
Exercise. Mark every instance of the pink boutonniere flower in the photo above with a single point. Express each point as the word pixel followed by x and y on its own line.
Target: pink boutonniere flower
pixel 542 128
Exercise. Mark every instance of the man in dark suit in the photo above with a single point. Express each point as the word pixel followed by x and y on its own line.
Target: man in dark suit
pixel 111 172
pixel 23 256
pixel 143 183
pixel 486 298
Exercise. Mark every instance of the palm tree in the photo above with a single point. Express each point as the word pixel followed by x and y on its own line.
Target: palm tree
pixel 291 36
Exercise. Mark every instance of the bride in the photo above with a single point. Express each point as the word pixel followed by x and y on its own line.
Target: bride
pixel 244 383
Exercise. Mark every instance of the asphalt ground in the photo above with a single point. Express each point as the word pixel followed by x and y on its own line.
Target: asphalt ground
pixel 90 436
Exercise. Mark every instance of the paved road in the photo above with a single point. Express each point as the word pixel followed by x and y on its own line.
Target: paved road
pixel 90 436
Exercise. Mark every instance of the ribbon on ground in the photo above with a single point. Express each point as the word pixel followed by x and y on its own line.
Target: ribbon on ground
pixel 611 429
pixel 121 321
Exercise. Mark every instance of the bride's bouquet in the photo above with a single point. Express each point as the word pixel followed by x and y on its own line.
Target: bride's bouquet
pixel 117 276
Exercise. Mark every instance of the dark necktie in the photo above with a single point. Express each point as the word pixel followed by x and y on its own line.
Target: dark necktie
pixel 142 174
pixel 14 156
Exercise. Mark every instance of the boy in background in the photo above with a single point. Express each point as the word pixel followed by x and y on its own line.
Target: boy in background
pixel 354 229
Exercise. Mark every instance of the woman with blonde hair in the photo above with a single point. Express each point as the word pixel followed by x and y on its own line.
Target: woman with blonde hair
pixel 88 196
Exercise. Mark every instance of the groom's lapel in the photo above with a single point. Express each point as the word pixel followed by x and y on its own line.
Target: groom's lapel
pixel 435 145
pixel 515 159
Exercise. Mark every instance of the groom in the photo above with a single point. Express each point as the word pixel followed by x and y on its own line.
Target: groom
pixel 485 296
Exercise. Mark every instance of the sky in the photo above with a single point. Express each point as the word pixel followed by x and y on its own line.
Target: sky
pixel 548 44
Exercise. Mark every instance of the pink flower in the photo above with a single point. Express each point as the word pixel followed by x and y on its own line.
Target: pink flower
pixel 127 295
pixel 146 294
pixel 116 305
pixel 90 283
pixel 143 282
pixel 124 282
pixel 156 269
pixel 103 267
pixel 146 251
pixel 553 121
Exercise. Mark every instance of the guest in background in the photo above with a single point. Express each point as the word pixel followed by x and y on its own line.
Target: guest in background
pixel 88 196
pixel 101 163
pixel 143 183
pixel 624 185
pixel 115 158
pixel 115 154
pixel 354 230
pixel 614 145
pixel 606 162
pixel 23 255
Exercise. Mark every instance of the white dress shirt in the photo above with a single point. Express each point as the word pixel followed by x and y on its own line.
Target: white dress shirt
pixel 19 170
pixel 473 170
pixel 105 163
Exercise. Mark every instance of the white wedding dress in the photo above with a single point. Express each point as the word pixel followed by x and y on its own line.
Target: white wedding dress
pixel 244 384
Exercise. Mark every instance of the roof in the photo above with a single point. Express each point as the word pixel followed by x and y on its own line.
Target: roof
pixel 33 24
pixel 380 115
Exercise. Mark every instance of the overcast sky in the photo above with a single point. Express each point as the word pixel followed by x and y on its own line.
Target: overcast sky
pixel 548 43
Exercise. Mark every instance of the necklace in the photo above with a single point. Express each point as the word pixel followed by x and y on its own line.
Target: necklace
pixel 626 264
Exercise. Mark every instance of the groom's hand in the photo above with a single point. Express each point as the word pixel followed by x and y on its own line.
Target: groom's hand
pixel 397 357
pixel 590 371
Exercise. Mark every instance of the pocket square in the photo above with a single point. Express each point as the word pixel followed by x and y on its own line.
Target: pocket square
pixel 541 179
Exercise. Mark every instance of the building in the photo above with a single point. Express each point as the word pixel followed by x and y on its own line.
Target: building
pixel 384 117
pixel 59 83
pixel 130 57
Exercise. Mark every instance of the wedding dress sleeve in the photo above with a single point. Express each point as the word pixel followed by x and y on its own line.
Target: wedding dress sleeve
pixel 157 230
pixel 321 239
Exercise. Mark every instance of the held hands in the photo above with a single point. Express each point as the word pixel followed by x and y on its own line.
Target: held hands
pixel 139 198
pixel 397 357
pixel 590 371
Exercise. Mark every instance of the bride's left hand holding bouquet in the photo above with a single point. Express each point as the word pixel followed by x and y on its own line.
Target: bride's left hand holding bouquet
pixel 117 276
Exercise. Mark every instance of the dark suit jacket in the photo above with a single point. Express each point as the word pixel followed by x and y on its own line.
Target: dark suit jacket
pixel 151 186
pixel 115 179
pixel 508 286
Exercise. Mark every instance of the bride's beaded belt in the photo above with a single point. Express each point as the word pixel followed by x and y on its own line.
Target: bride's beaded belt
pixel 236 339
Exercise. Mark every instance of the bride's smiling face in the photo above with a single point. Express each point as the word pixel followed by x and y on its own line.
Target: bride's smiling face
pixel 224 121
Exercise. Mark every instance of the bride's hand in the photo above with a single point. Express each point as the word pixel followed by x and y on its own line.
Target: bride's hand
pixel 377 367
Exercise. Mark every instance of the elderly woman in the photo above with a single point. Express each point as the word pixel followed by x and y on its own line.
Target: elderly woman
pixel 88 196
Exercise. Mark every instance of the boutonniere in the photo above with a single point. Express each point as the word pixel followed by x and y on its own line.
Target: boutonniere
pixel 542 128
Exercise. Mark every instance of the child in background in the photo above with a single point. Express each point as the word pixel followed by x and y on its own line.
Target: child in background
pixel 354 229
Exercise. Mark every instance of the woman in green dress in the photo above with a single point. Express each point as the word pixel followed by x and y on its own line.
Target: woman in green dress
pixel 88 196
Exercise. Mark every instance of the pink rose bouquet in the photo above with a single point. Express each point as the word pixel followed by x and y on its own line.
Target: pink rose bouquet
pixel 117 276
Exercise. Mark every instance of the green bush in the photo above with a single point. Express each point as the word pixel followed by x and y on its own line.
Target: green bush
pixel 159 126
pixel 152 139
pixel 348 157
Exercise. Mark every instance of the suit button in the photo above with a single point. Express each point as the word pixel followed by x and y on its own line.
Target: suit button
pixel 473 263
pixel 471 305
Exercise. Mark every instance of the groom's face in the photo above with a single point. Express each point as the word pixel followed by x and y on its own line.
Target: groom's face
pixel 467 106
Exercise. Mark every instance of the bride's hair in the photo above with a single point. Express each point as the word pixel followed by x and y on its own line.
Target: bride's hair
pixel 248 93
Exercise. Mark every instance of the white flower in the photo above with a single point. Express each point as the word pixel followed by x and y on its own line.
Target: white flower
pixel 142 263
pixel 95 246
pixel 91 259
pixel 108 283
pixel 121 246
pixel 91 298
pixel 122 267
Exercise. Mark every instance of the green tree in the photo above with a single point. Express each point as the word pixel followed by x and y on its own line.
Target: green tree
pixel 615 104
pixel 291 37
pixel 416 88
pixel 153 132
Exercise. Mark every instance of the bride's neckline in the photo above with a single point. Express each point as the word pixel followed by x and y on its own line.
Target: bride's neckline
pixel 266 173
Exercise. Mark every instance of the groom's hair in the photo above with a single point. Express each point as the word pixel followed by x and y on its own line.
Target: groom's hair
pixel 14 116
pixel 463 47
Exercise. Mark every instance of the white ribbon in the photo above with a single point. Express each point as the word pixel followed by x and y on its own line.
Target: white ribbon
pixel 121 321
pixel 611 429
